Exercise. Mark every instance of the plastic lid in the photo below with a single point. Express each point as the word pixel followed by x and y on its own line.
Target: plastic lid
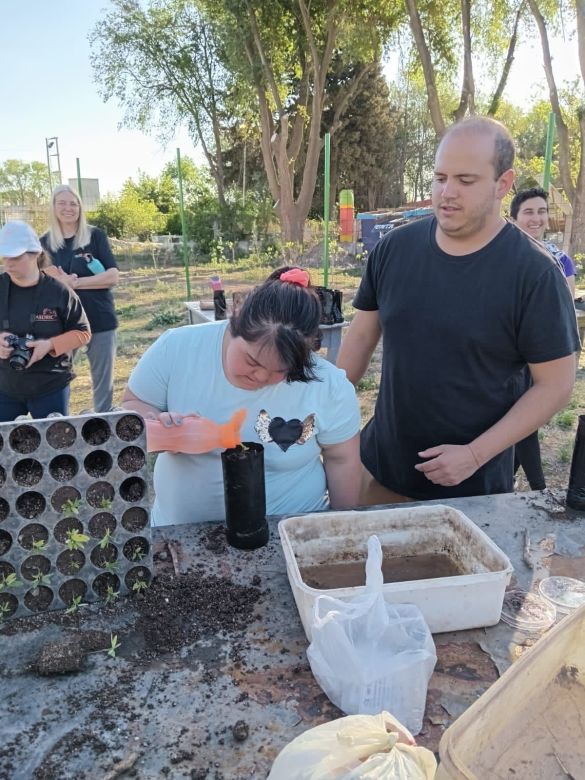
pixel 527 611
pixel 565 593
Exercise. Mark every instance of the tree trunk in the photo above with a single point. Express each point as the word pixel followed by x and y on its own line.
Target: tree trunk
pixel 467 100
pixel 497 96
pixel 562 130
pixel 292 222
pixel 578 228
pixel 427 66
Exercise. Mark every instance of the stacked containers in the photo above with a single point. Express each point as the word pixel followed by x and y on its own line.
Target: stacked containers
pixel 346 215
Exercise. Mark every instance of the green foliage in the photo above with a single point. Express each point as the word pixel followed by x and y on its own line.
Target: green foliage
pixel 139 586
pixel 41 579
pixel 566 419
pixel 565 453
pixel 368 383
pixel 76 540
pixel 111 595
pixel 74 606
pixel 128 215
pixel 9 581
pixel 71 506
pixel 105 540
pixel 23 183
pixel 38 544
pixel 114 645
pixel 166 318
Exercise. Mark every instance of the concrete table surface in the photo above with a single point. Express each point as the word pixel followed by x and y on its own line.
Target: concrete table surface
pixel 330 334
pixel 171 714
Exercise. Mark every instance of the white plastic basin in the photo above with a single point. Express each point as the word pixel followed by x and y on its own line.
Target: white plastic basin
pixel 470 600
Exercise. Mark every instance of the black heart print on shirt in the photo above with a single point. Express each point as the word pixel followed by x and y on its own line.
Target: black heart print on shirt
pixel 283 432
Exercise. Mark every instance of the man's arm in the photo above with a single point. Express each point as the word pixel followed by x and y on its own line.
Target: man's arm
pixel 450 464
pixel 358 344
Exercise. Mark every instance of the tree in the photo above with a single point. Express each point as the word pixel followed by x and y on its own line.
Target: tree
pixel 284 51
pixel 128 216
pixel 23 183
pixel 162 65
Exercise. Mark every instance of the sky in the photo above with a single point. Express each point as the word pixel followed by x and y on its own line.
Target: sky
pixel 47 89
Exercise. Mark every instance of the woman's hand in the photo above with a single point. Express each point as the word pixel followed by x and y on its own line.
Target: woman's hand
pixel 172 418
pixel 40 348
pixel 59 274
pixel 5 350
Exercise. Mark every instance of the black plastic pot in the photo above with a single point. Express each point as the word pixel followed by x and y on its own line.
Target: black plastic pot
pixel 576 491
pixel 245 496
pixel 331 305
pixel 219 304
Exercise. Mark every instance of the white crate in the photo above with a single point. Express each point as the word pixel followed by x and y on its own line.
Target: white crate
pixel 469 600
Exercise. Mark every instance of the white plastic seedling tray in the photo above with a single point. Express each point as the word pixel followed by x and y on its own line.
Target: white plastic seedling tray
pixel 469 600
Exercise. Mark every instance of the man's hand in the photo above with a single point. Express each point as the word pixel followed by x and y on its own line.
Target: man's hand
pixel 5 350
pixel 40 348
pixel 449 464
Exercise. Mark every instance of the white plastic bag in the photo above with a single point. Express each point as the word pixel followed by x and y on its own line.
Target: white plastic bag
pixel 363 747
pixel 370 656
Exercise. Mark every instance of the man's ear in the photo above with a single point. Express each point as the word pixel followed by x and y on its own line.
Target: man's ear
pixel 504 183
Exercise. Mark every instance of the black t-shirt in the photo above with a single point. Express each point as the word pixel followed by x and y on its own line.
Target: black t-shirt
pixel 98 304
pixel 48 309
pixel 456 333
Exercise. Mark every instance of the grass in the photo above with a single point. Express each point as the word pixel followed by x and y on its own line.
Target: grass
pixel 150 300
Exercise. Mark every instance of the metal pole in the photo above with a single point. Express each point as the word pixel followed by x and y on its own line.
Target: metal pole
pixel 244 178
pixel 49 164
pixel 79 190
pixel 550 137
pixel 183 225
pixel 326 211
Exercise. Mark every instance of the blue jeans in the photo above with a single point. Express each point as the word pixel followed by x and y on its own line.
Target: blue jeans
pixel 41 406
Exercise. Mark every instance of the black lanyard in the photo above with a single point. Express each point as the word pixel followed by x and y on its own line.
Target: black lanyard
pixel 5 297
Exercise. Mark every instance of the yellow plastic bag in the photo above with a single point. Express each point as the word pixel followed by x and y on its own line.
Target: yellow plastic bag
pixel 358 747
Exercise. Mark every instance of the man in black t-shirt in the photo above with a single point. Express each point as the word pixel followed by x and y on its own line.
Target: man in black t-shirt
pixel 463 300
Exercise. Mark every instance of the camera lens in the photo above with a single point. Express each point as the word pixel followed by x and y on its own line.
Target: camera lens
pixel 18 362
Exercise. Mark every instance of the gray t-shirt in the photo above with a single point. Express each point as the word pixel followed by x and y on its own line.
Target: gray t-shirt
pixel 456 332
pixel 183 372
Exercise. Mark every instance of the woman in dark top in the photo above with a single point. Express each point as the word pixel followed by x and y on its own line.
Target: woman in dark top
pixel 42 322
pixel 82 259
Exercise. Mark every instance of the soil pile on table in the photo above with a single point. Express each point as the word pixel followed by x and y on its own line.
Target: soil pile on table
pixel 176 611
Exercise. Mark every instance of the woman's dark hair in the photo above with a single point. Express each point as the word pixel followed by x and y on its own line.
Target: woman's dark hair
pixel 520 197
pixel 284 316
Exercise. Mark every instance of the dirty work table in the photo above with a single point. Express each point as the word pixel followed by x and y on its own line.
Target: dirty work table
pixel 166 705
pixel 330 334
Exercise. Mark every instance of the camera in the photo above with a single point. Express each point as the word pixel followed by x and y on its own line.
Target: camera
pixel 21 354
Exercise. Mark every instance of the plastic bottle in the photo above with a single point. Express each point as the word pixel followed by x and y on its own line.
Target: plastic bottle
pixel 195 435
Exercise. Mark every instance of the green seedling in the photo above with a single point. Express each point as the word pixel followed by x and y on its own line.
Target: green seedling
pixel 76 540
pixel 114 645
pixel 138 554
pixel 139 586
pixel 243 446
pixel 10 581
pixel 41 579
pixel 4 610
pixel 105 540
pixel 111 566
pixel 74 606
pixel 71 506
pixel 38 544
pixel 106 503
pixel 111 595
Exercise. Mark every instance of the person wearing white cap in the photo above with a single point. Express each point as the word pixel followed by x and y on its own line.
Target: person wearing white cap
pixel 42 321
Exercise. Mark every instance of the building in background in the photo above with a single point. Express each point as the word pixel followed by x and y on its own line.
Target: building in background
pixel 90 192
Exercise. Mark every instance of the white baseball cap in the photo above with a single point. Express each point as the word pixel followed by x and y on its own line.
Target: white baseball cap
pixel 16 238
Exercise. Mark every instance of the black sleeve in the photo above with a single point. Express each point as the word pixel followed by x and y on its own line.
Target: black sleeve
pixel 101 249
pixel 73 315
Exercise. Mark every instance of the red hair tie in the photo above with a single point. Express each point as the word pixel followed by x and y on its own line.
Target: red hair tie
pixel 296 276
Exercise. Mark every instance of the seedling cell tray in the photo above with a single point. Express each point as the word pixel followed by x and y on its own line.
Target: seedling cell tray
pixel 74 511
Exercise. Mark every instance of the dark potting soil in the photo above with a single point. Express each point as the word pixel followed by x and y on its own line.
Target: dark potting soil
pixel 132 489
pixel 30 505
pixel 131 459
pixel 24 439
pixel 70 562
pixel 34 532
pixel 100 493
pixel 27 472
pixel 61 435
pixel 98 463
pixel 63 468
pixel 5 542
pixel 96 431
pixel 215 540
pixel 33 565
pixel 64 495
pixel 136 549
pixel 135 519
pixel 129 427
pixel 71 590
pixel 101 523
pixel 4 509
pixel 38 599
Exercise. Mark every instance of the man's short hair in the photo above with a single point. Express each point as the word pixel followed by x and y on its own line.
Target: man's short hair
pixel 504 151
pixel 520 197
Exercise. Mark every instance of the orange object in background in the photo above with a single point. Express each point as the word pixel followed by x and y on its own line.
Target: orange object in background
pixel 195 435
pixel 346 215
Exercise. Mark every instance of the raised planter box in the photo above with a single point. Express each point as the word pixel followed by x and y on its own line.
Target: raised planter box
pixel 74 511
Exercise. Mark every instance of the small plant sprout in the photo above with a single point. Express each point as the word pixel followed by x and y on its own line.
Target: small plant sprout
pixel 111 566
pixel 106 503
pixel 105 540
pixel 138 554
pixel 111 595
pixel 74 606
pixel 75 540
pixel 41 579
pixel 114 645
pixel 4 610
pixel 71 506
pixel 139 586
pixel 243 447
pixel 9 581
pixel 38 544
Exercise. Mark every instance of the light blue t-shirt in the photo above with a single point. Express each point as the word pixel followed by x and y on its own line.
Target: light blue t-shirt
pixel 183 372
